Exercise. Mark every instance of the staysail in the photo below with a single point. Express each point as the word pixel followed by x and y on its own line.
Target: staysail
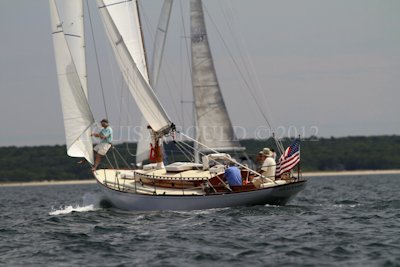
pixel 138 85
pixel 213 125
pixel 143 151
pixel 125 16
pixel 68 40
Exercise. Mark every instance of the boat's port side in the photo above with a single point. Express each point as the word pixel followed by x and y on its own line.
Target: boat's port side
pixel 131 181
pixel 137 181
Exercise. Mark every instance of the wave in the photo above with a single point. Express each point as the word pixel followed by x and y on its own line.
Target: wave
pixel 91 202
pixel 69 209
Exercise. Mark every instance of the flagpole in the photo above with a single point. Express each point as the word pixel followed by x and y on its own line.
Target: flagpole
pixel 298 166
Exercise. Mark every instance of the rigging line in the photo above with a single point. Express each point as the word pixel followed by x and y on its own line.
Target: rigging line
pixel 122 158
pixel 201 153
pixel 129 151
pixel 109 162
pixel 240 71
pixel 193 148
pixel 124 107
pixel 225 10
pixel 143 40
pixel 121 105
pixel 185 37
pixel 215 151
pixel 149 26
pixel 188 55
pixel 247 63
pixel 97 60
pixel 129 120
pixel 115 158
pixel 184 151
pixel 182 77
pixel 237 42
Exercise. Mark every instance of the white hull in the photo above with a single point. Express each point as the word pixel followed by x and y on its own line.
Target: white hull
pixel 278 195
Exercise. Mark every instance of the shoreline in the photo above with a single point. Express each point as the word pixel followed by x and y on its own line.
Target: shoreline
pixel 48 182
pixel 304 174
pixel 345 173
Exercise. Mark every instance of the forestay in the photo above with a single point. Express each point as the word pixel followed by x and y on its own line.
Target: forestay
pixel 138 85
pixel 143 151
pixel 214 128
pixel 68 40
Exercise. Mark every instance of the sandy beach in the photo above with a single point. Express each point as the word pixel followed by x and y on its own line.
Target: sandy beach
pixel 305 175
pixel 344 173
pixel 41 183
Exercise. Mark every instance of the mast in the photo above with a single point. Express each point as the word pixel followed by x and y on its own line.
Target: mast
pixel 143 147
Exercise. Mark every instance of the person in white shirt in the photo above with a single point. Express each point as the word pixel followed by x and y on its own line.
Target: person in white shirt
pixel 268 167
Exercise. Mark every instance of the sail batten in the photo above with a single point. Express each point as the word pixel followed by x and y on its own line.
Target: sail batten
pixel 213 125
pixel 68 40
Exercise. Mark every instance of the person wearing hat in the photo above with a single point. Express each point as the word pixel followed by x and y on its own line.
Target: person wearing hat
pixel 105 136
pixel 268 167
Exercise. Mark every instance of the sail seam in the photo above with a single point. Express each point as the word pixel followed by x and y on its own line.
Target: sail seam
pixel 72 35
pixel 113 4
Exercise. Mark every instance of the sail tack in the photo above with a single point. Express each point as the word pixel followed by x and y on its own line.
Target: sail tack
pixel 213 126
pixel 68 40
pixel 138 85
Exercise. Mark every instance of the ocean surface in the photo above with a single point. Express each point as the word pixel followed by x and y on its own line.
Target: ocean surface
pixel 335 221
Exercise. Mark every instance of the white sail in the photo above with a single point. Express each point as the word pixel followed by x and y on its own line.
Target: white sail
pixel 159 42
pixel 124 14
pixel 138 85
pixel 213 126
pixel 68 40
pixel 142 150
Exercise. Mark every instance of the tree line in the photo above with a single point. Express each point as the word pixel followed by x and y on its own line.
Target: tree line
pixel 317 154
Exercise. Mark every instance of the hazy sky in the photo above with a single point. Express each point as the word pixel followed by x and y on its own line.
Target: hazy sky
pixel 330 68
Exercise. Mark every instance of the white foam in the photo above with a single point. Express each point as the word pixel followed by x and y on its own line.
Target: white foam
pixel 346 205
pixel 200 212
pixel 91 202
pixel 69 209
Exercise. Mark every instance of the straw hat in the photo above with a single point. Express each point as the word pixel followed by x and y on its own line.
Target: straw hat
pixel 266 152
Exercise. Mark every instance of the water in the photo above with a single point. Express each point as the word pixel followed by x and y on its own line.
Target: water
pixel 335 221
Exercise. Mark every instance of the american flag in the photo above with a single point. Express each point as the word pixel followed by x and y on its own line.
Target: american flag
pixel 289 159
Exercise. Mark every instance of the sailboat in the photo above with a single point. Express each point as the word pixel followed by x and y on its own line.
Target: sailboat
pixel 179 185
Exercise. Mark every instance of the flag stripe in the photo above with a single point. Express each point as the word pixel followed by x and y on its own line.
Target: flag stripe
pixel 289 159
pixel 289 162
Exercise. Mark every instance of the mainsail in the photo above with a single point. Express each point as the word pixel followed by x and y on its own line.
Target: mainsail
pixel 143 151
pixel 213 126
pixel 138 85
pixel 68 40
